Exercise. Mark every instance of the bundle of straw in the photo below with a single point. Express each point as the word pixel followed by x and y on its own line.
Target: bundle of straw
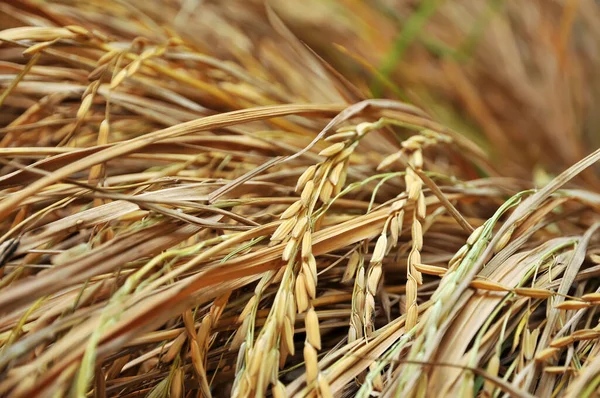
pixel 333 199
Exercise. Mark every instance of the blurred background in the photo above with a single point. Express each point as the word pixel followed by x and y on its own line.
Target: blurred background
pixel 520 77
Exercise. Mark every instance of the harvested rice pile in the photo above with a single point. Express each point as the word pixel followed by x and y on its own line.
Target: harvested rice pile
pixel 332 199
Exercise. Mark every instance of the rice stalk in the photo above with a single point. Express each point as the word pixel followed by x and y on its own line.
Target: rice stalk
pixel 229 199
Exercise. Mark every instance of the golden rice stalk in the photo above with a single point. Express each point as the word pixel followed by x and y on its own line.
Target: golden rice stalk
pixel 231 200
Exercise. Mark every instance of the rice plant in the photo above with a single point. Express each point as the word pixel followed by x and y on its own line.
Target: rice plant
pixel 312 199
